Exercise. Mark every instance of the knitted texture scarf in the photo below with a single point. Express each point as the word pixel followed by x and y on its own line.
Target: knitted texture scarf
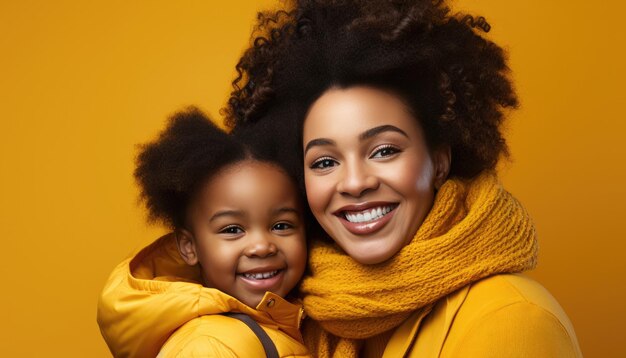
pixel 475 229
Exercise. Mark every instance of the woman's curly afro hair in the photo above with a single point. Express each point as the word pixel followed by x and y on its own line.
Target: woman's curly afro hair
pixel 455 81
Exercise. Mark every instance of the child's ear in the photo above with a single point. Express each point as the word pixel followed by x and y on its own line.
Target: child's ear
pixel 186 246
pixel 441 162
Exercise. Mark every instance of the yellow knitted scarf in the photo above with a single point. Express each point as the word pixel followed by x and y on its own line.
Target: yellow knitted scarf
pixel 475 229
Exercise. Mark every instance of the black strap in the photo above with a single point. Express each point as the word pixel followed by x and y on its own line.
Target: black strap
pixel 266 341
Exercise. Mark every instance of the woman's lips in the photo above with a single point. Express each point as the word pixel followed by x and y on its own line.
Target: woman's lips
pixel 265 281
pixel 367 218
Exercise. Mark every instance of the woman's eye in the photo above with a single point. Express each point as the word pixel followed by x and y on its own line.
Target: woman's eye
pixel 231 230
pixel 384 152
pixel 323 163
pixel 282 226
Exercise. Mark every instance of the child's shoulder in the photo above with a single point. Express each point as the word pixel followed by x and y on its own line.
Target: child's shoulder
pixel 212 335
pixel 222 336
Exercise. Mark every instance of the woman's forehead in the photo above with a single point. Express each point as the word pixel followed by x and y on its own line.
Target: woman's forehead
pixel 358 113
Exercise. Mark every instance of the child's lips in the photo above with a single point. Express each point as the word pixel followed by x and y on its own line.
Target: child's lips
pixel 262 280
pixel 261 275
pixel 267 267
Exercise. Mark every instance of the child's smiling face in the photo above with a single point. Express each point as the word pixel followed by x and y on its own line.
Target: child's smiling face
pixel 248 232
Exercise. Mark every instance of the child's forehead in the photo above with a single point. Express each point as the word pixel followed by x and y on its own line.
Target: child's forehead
pixel 251 170
pixel 252 185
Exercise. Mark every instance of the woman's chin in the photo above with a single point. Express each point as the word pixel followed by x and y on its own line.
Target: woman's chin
pixel 370 252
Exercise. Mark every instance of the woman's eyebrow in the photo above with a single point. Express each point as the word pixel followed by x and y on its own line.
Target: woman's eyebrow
pixel 372 132
pixel 381 129
pixel 318 142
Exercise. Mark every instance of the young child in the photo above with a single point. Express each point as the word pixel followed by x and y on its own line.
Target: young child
pixel 238 245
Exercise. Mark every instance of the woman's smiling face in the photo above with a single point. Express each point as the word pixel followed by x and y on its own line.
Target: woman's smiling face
pixel 370 177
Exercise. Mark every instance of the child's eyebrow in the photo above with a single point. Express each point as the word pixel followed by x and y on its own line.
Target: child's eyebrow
pixel 219 214
pixel 286 209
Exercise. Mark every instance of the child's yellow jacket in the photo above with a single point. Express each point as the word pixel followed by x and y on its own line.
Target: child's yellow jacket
pixel 146 308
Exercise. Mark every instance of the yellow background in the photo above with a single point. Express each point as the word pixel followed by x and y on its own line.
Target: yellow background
pixel 82 82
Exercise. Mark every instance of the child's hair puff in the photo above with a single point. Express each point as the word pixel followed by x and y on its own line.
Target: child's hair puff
pixel 186 153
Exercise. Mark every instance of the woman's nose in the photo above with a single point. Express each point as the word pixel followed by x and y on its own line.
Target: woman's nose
pixel 260 245
pixel 357 180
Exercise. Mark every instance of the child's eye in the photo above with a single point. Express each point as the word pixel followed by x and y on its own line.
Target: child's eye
pixel 384 151
pixel 231 230
pixel 323 163
pixel 282 226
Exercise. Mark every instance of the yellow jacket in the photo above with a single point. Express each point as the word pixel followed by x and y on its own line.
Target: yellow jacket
pixel 501 316
pixel 146 307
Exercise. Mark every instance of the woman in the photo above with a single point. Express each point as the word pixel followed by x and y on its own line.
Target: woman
pixel 396 107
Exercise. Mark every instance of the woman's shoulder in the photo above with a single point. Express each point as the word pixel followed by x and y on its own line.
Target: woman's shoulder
pixel 219 335
pixel 500 291
pixel 507 314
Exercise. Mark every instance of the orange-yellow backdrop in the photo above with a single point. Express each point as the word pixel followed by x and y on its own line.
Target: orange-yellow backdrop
pixel 82 82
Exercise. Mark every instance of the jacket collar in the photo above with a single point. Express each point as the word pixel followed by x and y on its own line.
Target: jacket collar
pixel 159 265
pixel 151 295
pixel 404 337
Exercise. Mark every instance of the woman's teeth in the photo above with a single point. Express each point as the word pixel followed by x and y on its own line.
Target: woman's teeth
pixel 368 215
pixel 260 275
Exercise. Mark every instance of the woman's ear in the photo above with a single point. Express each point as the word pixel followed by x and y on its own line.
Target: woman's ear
pixel 186 246
pixel 441 162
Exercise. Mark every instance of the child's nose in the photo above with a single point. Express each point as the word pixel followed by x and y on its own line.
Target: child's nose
pixel 261 246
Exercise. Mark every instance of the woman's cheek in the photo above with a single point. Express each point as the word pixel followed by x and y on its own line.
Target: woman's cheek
pixel 414 174
pixel 424 176
pixel 318 191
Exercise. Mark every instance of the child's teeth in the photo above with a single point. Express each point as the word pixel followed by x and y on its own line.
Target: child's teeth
pixel 260 275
